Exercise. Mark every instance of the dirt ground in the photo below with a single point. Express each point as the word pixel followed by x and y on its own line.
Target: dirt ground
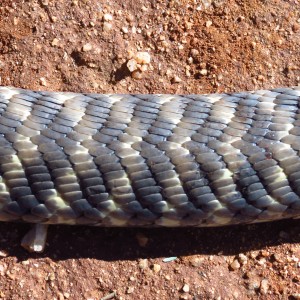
pixel 196 46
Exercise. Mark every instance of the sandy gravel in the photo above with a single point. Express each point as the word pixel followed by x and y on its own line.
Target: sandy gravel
pixel 195 46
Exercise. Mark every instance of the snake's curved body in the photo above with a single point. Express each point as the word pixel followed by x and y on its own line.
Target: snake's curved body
pixel 149 160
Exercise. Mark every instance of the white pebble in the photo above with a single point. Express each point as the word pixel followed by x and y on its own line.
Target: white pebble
pixel 203 72
pixel 186 288
pixel 107 26
pixel 142 58
pixel 208 23
pixel 55 42
pixel 43 81
pixel 176 79
pixel 132 65
pixel 235 265
pixel 243 258
pixel 143 68
pixel 156 268
pixel 130 290
pixel 143 264
pixel 194 52
pixel 264 286
pixel 107 17
pixel 87 47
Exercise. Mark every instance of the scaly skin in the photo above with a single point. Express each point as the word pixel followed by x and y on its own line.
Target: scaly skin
pixel 149 160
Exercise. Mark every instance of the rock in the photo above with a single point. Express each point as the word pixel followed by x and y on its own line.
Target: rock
pixel 143 68
pixel 55 42
pixel 235 265
pixel 176 79
pixel 142 58
pixel 132 65
pixel 203 72
pixel 107 17
pixel 107 26
pixel 3 253
pixel 253 283
pixel 243 259
pixel 156 268
pixel 143 264
pixel 87 47
pixel 264 286
pixel 43 81
pixel 296 27
pixel 186 288
pixel 194 53
pixel 196 262
pixel 208 23
pixel 130 290
pixel 137 74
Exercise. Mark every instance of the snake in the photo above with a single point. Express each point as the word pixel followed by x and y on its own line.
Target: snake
pixel 149 160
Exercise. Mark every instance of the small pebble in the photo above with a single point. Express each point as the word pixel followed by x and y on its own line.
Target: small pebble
pixel 260 77
pixel 142 58
pixel 265 253
pixel 55 42
pixel 264 286
pixel 186 288
pixel 124 29
pixel 43 81
pixel 235 265
pixel 156 268
pixel 107 26
pixel 137 74
pixel 208 23
pixel 296 27
pixel 168 277
pixel 253 283
pixel 243 259
pixel 87 47
pixel 143 68
pixel 130 290
pixel 261 261
pixel 176 79
pixel 109 296
pixel 143 264
pixel 194 53
pixel 277 257
pixel 53 19
pixel 51 276
pixel 129 18
pixel 132 65
pixel 60 296
pixel 203 72
pixel 107 17
pixel 196 262
pixel 3 253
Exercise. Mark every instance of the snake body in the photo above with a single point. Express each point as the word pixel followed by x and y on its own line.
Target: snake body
pixel 149 160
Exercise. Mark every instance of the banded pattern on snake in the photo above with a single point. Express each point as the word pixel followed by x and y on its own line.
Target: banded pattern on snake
pixel 149 160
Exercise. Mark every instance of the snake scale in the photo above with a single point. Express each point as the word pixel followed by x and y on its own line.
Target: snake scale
pixel 149 160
